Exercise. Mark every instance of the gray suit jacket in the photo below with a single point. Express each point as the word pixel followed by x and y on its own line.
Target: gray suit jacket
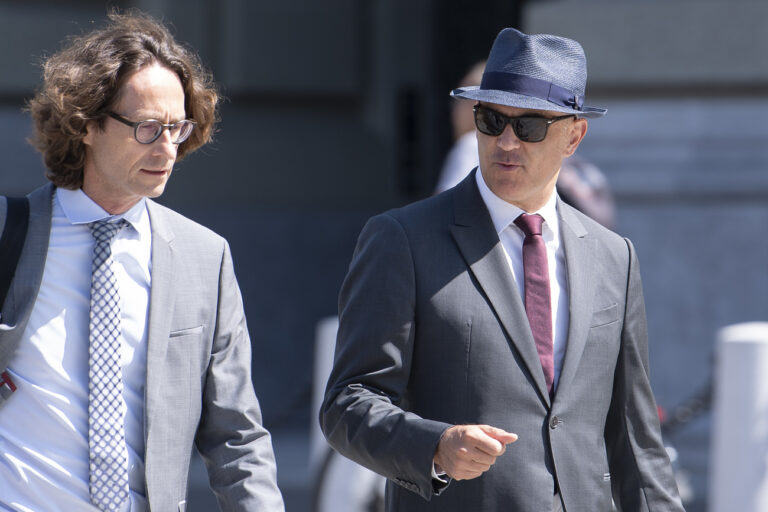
pixel 433 333
pixel 198 387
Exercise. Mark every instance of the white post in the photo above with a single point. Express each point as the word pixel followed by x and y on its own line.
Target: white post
pixel 739 457
pixel 325 343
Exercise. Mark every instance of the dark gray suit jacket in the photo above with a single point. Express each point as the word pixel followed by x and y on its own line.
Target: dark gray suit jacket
pixel 198 387
pixel 433 333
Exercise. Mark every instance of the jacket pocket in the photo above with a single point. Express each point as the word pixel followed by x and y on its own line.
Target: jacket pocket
pixel 605 316
pixel 187 332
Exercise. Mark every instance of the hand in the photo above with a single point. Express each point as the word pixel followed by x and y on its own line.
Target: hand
pixel 468 451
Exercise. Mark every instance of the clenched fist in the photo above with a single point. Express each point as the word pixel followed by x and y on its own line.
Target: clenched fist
pixel 468 451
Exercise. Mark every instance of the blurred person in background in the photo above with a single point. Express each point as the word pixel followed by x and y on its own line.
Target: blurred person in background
pixel 124 341
pixel 492 344
pixel 462 157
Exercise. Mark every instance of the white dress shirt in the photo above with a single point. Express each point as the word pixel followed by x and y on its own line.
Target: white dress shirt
pixel 44 425
pixel 503 215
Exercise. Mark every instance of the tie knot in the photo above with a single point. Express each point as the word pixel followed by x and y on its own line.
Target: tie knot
pixel 104 230
pixel 530 224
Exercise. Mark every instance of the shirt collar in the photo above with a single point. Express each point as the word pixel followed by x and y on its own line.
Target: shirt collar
pixel 81 209
pixel 503 213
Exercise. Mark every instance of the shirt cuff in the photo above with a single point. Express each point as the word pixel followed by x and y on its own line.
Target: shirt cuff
pixel 439 481
pixel 441 476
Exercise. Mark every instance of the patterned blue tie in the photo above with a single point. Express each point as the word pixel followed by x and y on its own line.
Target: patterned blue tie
pixel 108 455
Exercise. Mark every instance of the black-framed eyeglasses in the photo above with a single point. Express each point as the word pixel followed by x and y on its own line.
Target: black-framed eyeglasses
pixel 526 128
pixel 148 131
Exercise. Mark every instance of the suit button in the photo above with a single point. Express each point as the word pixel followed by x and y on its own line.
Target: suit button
pixel 554 422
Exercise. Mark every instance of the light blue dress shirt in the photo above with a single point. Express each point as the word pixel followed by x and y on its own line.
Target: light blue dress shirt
pixel 44 426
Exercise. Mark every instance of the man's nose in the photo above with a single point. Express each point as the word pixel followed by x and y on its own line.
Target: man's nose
pixel 165 141
pixel 507 140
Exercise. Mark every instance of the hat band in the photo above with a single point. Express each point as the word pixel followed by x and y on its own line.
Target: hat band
pixel 529 86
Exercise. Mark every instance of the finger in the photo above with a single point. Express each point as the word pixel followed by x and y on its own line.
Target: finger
pixel 499 434
pixel 480 457
pixel 463 474
pixel 488 445
pixel 474 465
pixel 474 468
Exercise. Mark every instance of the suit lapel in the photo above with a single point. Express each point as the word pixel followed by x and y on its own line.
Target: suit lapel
pixel 579 260
pixel 479 244
pixel 161 302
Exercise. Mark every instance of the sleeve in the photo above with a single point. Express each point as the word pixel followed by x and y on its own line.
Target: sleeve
pixel 641 474
pixel 364 415
pixel 232 441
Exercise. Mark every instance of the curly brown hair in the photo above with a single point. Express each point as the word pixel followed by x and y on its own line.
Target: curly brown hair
pixel 82 82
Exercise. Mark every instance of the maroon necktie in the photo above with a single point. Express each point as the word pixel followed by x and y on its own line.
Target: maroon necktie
pixel 538 305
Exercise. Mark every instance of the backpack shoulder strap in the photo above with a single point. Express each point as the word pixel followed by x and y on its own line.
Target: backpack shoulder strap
pixel 12 241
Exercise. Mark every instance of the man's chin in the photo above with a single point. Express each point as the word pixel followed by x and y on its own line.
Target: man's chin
pixel 156 192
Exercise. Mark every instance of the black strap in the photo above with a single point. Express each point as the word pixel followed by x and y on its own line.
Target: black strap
pixel 14 234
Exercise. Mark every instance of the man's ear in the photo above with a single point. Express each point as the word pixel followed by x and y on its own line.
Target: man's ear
pixel 90 128
pixel 576 135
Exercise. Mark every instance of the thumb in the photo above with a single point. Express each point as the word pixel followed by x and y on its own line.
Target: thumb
pixel 499 434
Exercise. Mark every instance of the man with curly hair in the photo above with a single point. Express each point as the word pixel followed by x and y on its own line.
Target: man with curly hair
pixel 123 341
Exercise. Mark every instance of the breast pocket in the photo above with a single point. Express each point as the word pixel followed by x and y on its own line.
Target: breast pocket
pixel 605 316
pixel 187 332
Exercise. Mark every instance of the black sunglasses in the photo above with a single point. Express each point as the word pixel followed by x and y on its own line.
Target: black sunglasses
pixel 148 131
pixel 526 128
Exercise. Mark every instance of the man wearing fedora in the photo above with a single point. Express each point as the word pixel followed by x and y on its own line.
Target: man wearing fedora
pixel 492 346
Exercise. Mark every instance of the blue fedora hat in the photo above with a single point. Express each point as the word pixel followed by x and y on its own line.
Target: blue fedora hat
pixel 537 71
